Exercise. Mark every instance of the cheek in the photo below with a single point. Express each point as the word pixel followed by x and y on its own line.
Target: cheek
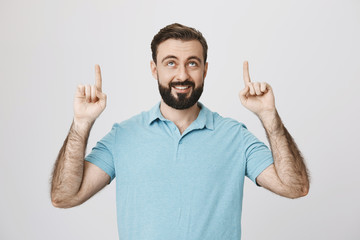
pixel 165 73
pixel 198 76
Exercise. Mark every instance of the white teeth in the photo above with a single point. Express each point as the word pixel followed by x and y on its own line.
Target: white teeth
pixel 181 88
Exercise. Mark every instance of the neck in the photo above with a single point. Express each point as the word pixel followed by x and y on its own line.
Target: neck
pixel 181 118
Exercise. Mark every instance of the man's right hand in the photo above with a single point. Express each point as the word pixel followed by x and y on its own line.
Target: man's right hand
pixel 89 101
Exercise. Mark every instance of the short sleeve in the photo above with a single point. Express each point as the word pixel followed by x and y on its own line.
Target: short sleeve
pixel 102 154
pixel 258 155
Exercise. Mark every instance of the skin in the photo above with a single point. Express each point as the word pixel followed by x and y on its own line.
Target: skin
pixel 288 175
pixel 178 61
pixel 74 180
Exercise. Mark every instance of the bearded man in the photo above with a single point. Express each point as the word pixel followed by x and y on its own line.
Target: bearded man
pixel 179 167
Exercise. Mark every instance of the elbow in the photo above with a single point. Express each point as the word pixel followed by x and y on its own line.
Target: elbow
pixel 59 204
pixel 63 203
pixel 299 192
pixel 305 191
pixel 56 203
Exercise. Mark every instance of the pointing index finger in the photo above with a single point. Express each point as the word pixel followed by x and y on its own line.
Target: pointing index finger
pixel 98 80
pixel 246 74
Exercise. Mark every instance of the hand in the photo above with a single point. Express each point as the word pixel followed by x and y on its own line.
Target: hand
pixel 257 97
pixel 89 101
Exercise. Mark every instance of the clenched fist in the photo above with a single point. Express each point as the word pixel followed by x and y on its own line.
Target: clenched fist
pixel 89 101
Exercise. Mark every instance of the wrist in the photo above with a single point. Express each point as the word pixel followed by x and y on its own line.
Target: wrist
pixel 82 127
pixel 271 121
pixel 268 116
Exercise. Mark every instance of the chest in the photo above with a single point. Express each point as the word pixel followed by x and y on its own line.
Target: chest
pixel 198 157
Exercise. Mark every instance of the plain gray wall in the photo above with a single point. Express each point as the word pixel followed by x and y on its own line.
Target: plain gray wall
pixel 307 50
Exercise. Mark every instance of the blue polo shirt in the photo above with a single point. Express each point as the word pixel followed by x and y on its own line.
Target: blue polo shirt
pixel 173 186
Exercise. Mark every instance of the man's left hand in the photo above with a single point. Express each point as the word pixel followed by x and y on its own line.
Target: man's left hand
pixel 257 97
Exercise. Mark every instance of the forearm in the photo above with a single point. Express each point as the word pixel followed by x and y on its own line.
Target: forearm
pixel 69 166
pixel 288 161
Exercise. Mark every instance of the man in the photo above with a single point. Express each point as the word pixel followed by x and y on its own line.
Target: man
pixel 179 167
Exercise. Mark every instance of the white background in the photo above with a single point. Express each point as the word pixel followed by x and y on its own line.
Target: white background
pixel 307 50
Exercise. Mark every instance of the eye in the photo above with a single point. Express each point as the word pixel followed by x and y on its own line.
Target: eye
pixel 171 64
pixel 193 64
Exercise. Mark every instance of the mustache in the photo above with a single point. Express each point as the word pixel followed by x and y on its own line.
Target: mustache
pixel 184 83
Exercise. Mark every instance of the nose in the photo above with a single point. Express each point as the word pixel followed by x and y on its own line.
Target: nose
pixel 182 74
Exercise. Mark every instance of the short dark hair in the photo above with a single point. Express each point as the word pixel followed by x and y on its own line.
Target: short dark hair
pixel 177 31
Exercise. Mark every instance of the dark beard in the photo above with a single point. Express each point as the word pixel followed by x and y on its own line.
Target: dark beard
pixel 181 102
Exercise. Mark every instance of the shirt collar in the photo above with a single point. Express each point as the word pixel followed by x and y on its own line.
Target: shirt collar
pixel 204 119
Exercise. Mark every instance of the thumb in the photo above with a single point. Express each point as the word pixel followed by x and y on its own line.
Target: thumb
pixel 243 93
pixel 80 91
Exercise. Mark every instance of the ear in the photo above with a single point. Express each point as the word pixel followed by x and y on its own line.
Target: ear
pixel 153 69
pixel 205 69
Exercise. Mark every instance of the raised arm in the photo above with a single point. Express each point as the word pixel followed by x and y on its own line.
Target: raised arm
pixel 75 180
pixel 288 175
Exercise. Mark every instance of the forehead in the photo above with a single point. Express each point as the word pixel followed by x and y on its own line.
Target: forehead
pixel 179 48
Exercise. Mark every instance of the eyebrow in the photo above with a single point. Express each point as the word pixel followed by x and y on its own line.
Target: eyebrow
pixel 174 57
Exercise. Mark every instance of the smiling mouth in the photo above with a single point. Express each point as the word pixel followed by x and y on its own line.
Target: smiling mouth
pixel 181 87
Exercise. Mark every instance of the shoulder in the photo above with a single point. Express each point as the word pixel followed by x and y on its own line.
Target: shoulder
pixel 221 122
pixel 137 121
pixel 229 131
pixel 217 122
pixel 223 127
